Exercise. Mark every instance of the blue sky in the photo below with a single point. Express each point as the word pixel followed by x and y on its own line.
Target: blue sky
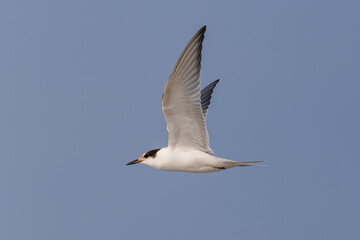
pixel 80 96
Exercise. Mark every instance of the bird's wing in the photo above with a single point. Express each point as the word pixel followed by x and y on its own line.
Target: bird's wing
pixel 181 102
pixel 206 97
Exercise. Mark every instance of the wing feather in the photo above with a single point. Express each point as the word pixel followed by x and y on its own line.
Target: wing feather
pixel 206 97
pixel 181 101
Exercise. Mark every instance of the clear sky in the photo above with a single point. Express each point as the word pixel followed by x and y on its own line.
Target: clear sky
pixel 80 96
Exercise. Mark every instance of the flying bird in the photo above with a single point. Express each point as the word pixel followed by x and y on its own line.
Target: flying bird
pixel 185 108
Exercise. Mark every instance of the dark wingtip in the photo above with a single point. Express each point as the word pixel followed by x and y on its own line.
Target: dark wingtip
pixel 203 29
pixel 206 96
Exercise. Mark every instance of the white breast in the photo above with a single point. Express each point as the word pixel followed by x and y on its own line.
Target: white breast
pixel 184 160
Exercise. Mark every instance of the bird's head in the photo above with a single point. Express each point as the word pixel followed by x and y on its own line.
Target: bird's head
pixel 146 157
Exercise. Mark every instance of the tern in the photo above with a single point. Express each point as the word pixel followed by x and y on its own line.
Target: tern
pixel 185 108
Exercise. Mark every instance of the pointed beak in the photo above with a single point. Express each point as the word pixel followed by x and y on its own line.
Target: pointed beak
pixel 134 162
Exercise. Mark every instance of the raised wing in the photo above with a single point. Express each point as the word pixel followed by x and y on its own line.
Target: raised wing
pixel 181 102
pixel 206 97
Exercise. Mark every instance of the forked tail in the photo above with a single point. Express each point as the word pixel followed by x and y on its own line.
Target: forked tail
pixel 225 164
pixel 244 164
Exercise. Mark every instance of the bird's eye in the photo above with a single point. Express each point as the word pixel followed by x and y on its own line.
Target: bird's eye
pixel 146 156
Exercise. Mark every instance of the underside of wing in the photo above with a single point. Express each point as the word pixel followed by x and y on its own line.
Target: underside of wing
pixel 181 101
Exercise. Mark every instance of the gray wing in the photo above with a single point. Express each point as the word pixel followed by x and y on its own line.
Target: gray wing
pixel 206 97
pixel 181 102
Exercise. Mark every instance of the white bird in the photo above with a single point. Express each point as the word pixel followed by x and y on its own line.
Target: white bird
pixel 185 108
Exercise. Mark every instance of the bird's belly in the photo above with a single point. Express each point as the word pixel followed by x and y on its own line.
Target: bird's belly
pixel 191 169
pixel 204 169
pixel 195 163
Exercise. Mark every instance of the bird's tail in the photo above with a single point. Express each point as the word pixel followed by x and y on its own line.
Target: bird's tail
pixel 225 163
pixel 244 164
